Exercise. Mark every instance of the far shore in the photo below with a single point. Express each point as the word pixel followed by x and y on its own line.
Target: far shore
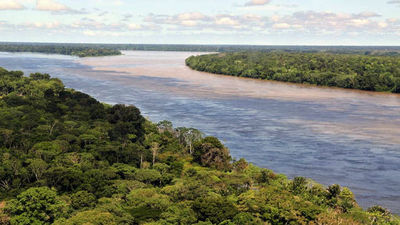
pixel 172 65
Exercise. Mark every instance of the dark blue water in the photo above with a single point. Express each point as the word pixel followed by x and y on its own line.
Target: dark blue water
pixel 355 145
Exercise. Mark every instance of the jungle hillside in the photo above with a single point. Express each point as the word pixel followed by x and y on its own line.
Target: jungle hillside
pixel 68 159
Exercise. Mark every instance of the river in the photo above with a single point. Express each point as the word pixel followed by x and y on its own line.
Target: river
pixel 328 134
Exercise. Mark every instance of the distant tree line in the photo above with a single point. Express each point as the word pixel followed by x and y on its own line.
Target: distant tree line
pixel 359 50
pixel 80 51
pixel 66 158
pixel 372 73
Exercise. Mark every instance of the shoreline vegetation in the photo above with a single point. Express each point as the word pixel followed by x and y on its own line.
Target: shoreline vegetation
pixel 79 51
pixel 370 68
pixel 353 71
pixel 88 50
pixel 66 158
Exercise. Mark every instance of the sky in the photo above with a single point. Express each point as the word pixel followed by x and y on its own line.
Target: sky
pixel 252 22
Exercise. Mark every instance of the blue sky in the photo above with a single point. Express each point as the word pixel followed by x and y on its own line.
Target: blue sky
pixel 264 22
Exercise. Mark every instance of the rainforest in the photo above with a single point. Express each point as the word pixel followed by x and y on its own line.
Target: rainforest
pixel 354 71
pixel 66 158
pixel 74 50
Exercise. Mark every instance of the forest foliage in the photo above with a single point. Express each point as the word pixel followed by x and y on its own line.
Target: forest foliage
pixel 80 51
pixel 114 49
pixel 66 158
pixel 372 73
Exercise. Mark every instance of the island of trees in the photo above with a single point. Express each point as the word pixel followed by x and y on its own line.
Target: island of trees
pixel 74 50
pixel 364 72
pixel 67 159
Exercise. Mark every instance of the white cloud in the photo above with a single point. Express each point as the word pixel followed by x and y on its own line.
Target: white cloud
pixel 314 21
pixel 189 23
pixel 281 26
pixel 51 5
pixel 10 5
pixel 307 22
pixel 226 21
pixel 134 26
pixel 394 2
pixel 42 25
pixel 117 2
pixel 383 24
pixel 359 22
pixel 191 16
pixel 190 19
pixel 367 15
pixel 257 2
pixel 201 22
pixel 87 25
pixel 92 33
pixel 249 22
pixel 89 33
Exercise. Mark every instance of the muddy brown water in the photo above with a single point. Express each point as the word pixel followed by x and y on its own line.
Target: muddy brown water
pixel 331 135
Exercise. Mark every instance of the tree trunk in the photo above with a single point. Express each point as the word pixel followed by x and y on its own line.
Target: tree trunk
pixel 52 127
pixel 154 157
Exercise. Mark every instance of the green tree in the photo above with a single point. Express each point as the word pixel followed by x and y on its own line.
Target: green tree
pixel 40 76
pixel 92 217
pixel 35 206
pixel 37 167
pixel 215 208
pixel 210 152
pixel 83 199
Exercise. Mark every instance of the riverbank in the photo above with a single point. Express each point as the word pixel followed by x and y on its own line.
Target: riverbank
pixel 330 135
pixel 79 51
pixel 119 158
pixel 370 73
pixel 172 65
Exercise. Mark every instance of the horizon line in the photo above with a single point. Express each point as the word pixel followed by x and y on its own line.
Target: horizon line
pixel 197 44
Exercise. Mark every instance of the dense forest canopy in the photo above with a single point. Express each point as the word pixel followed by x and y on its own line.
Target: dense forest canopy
pixel 361 50
pixel 372 73
pixel 66 158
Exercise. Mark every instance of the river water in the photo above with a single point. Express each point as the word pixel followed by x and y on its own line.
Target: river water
pixel 330 135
